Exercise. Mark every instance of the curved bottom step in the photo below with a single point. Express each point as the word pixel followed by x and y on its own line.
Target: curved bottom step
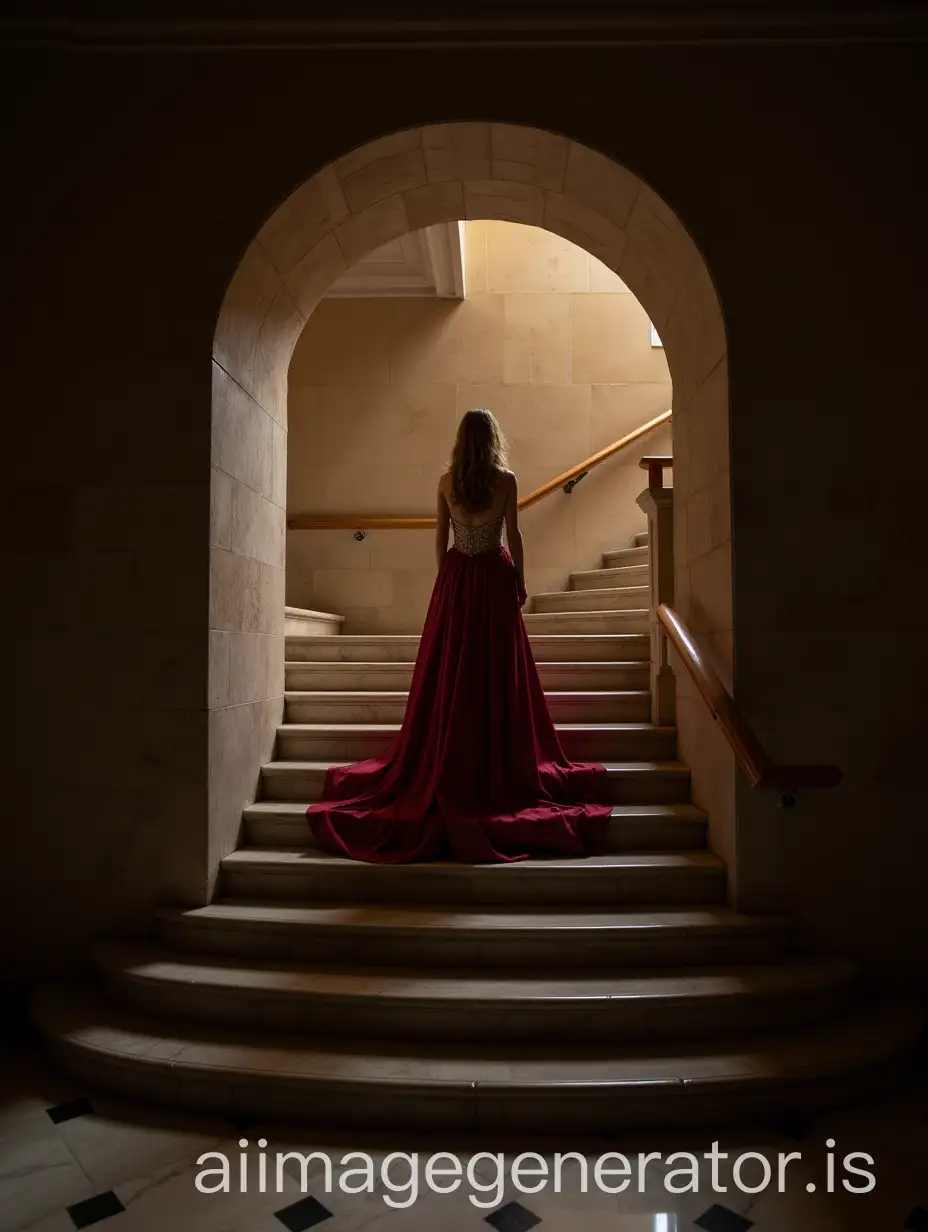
pixel 460 1004
pixel 372 1083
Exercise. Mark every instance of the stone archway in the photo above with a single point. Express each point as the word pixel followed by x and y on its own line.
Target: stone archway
pixel 395 184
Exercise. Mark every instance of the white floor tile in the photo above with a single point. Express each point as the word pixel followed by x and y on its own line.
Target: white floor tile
pixel 38 1176
pixel 119 1143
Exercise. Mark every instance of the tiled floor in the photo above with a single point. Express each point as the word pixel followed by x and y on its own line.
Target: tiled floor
pixel 71 1158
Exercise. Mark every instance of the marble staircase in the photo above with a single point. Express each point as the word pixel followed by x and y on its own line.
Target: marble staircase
pixel 592 994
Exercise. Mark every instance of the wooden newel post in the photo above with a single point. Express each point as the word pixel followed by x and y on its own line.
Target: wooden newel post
pixel 657 503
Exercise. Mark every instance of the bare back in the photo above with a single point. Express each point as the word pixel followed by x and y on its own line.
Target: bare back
pixel 493 512
pixel 503 507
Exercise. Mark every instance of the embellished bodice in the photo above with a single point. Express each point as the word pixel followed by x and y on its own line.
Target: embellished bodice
pixel 472 540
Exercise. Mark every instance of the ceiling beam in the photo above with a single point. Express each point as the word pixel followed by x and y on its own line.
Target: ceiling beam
pixel 443 246
pixel 427 263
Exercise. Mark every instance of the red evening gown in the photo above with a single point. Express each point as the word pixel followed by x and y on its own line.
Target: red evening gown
pixel 477 773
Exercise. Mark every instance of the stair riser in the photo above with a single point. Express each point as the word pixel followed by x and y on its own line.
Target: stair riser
pixel 644 835
pixel 587 622
pixel 356 882
pixel 397 677
pixel 348 677
pixel 351 649
pixel 640 789
pixel 601 579
pixel 484 1109
pixel 480 1108
pixel 560 648
pixel 579 745
pixel 626 558
pixel 616 600
pixel 334 710
pixel 631 1020
pixel 379 946
pixel 582 676
pixel 627 708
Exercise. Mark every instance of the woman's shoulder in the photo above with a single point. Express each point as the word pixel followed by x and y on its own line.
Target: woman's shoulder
pixel 508 477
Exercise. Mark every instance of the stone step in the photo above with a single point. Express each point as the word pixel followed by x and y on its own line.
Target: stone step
pixel 641 539
pixel 634 827
pixel 423 1004
pixel 590 676
pixel 301 622
pixel 612 599
pixel 603 621
pixel 596 742
pixel 402 648
pixel 629 782
pixel 330 707
pixel 603 579
pixel 422 934
pixel 476 1086
pixel 625 558
pixel 259 873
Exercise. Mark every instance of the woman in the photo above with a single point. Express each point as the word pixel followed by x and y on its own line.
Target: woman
pixel 477 773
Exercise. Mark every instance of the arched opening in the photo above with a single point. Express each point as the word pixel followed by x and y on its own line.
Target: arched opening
pixel 533 327
pixel 400 183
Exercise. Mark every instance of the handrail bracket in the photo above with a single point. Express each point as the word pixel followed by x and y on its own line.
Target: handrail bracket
pixel 572 483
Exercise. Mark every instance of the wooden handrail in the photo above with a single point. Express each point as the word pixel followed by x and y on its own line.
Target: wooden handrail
pixel 752 757
pixel 596 460
pixel 363 521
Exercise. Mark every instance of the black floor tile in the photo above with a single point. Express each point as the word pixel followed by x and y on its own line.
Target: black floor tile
pixel 513 1217
pixel 67 1112
pixel 303 1214
pixel 721 1219
pixel 92 1210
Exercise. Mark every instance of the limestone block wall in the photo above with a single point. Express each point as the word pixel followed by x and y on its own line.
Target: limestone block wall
pixel 247 542
pixel 548 337
pixel 105 584
pixel 832 664
pixel 703 563
pixel 246 587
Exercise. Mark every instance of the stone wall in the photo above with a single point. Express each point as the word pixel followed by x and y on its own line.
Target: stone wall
pixel 246 596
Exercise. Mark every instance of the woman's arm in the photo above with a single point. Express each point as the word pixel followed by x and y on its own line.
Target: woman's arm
pixel 513 534
pixel 443 517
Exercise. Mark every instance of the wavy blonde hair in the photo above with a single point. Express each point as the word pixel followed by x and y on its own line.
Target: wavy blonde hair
pixel 477 460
